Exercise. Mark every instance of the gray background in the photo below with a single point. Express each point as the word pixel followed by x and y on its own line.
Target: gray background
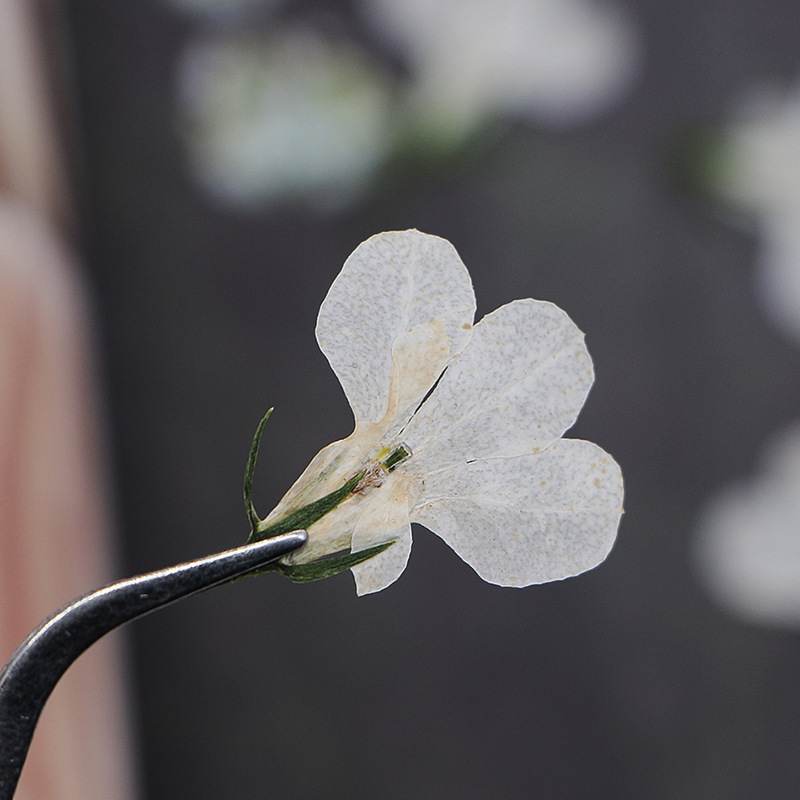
pixel 625 683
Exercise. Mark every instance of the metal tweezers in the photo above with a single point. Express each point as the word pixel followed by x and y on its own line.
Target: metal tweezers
pixel 33 671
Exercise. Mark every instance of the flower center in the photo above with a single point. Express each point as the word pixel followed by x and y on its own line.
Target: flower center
pixel 375 472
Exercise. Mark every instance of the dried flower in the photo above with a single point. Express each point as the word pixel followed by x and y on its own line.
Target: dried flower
pixel 457 428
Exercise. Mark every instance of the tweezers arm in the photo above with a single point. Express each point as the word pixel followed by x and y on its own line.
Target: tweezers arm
pixel 33 671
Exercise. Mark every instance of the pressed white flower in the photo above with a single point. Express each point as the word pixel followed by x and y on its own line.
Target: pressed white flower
pixel 479 460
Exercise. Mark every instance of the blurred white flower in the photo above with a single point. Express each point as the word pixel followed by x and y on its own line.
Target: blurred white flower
pixel 549 60
pixel 748 548
pixel 292 114
pixel 224 10
pixel 759 170
pixel 481 459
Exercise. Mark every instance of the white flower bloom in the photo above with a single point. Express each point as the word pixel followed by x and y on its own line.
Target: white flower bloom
pixel 292 114
pixel 554 60
pixel 487 470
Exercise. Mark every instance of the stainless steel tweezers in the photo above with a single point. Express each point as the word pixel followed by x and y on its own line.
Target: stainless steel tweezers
pixel 33 671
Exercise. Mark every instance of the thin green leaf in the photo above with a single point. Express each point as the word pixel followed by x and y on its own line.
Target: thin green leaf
pixel 248 475
pixel 305 517
pixel 317 570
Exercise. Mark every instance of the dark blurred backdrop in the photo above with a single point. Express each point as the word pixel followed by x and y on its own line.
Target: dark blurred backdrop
pixel 627 682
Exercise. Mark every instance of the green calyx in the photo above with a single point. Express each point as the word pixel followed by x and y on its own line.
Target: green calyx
pixel 327 567
pixel 304 518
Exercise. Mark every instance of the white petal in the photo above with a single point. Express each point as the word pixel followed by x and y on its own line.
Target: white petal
pixel 419 357
pixel 384 569
pixel 384 520
pixel 390 284
pixel 516 387
pixel 527 519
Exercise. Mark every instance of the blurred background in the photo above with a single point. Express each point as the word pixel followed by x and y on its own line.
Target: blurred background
pixel 636 162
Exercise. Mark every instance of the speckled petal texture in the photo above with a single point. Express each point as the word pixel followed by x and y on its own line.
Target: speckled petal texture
pixel 382 521
pixel 391 283
pixel 516 387
pixel 527 519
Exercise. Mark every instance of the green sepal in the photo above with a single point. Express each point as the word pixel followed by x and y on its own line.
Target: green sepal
pixel 305 517
pixel 249 471
pixel 317 570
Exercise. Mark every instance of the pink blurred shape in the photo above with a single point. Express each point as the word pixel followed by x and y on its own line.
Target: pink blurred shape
pixel 54 516
pixel 54 509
